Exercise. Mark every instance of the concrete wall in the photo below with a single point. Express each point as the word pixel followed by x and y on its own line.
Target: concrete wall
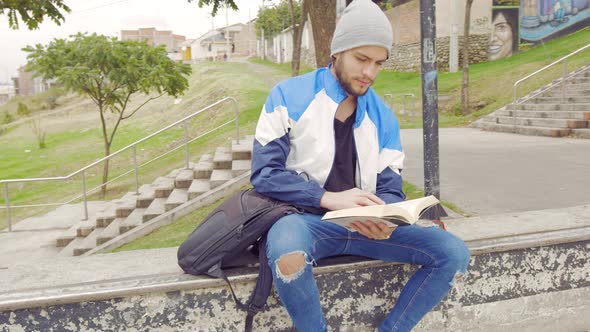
pixel 541 289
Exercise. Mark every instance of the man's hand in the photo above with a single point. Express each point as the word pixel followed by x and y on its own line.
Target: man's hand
pixel 354 197
pixel 373 230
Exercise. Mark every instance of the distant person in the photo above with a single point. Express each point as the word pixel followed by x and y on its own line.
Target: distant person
pixel 504 39
pixel 224 56
pixel 326 141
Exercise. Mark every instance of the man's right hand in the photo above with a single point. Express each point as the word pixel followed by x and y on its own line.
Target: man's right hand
pixel 354 197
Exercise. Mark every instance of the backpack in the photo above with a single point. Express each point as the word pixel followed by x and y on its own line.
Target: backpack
pixel 224 237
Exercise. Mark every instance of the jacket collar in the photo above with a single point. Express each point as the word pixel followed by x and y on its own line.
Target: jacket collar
pixel 335 91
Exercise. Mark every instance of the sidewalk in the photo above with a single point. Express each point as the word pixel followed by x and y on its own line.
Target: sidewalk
pixel 485 173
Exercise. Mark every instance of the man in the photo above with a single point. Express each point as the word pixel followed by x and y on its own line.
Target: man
pixel 326 141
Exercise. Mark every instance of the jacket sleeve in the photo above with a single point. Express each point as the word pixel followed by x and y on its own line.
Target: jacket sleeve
pixel 391 159
pixel 389 186
pixel 269 157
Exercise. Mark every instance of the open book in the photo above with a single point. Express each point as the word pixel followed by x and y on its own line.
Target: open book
pixel 395 214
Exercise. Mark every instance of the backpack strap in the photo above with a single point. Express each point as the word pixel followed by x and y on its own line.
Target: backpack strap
pixel 261 291
pixel 263 286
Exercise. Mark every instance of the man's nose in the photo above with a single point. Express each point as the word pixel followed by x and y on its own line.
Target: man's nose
pixel 371 70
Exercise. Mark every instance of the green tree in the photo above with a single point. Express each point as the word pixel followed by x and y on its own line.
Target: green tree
pixel 32 12
pixel 110 72
pixel 274 19
pixel 216 4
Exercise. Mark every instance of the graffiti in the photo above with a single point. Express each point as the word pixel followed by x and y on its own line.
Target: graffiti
pixel 429 51
pixel 543 19
pixel 481 21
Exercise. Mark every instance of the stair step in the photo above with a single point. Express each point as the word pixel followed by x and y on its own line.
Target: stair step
pixel 110 232
pixel 203 169
pixel 67 237
pixel 163 187
pixel 133 220
pixel 125 205
pixel 69 249
pixel 567 93
pixel 155 209
pixel 574 115
pixel 243 150
pixel 184 178
pixel 198 187
pixel 88 243
pixel 206 157
pixel 523 130
pixel 220 176
pixel 86 227
pixel 173 174
pixel 178 197
pixel 222 158
pixel 239 167
pixel 582 107
pixel 537 122
pixel 581 133
pixel 147 193
pixel 560 100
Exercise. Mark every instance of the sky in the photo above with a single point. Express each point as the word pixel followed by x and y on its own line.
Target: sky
pixel 109 17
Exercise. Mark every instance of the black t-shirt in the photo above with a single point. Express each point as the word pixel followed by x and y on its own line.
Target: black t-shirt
pixel 342 175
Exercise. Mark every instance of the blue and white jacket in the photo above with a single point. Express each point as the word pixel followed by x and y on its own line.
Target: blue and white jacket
pixel 294 143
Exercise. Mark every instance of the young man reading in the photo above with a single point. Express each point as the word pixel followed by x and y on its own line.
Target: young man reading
pixel 326 141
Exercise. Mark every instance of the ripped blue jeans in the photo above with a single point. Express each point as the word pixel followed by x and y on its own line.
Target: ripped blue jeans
pixel 443 258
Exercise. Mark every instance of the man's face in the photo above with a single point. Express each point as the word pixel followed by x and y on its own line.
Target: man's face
pixel 501 43
pixel 357 68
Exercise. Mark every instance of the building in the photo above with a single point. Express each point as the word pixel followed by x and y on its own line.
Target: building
pixel 217 44
pixel 154 37
pixel 27 85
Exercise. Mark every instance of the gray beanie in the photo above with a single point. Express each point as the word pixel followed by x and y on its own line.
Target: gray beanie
pixel 362 23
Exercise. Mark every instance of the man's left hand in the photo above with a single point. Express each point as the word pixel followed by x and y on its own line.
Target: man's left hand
pixel 373 230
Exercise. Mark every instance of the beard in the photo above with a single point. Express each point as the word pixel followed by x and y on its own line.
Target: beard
pixel 346 81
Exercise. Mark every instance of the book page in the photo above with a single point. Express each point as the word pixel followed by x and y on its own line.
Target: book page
pixel 408 211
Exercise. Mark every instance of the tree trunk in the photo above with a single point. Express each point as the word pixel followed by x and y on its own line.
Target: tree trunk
pixel 465 85
pixel 322 15
pixel 297 34
pixel 105 170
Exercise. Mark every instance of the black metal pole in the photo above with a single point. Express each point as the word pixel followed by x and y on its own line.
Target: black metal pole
pixel 429 97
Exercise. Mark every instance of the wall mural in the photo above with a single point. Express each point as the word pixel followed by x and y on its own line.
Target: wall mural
pixel 504 39
pixel 532 21
pixel 543 19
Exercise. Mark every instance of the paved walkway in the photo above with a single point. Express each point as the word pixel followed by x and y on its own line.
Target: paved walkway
pixel 487 173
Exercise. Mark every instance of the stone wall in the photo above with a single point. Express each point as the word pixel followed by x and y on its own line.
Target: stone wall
pixel 406 58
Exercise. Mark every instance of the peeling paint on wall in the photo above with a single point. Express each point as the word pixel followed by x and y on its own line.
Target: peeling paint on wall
pixel 362 297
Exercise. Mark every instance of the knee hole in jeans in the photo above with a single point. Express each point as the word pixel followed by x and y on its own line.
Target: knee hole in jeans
pixel 290 266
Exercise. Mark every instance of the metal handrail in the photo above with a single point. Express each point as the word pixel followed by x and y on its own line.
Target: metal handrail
pixel 514 99
pixel 405 95
pixel 135 166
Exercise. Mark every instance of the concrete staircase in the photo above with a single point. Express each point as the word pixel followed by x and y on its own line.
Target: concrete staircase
pixel 162 195
pixel 555 110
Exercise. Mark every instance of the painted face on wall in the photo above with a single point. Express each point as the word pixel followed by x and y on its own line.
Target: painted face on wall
pixel 356 69
pixel 501 42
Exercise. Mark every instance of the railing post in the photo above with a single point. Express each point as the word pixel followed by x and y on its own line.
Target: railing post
pixel 7 203
pixel 237 114
pixel 185 126
pixel 413 107
pixel 135 170
pixel 563 73
pixel 514 108
pixel 84 196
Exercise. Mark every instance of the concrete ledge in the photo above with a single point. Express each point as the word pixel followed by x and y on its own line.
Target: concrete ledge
pixel 536 265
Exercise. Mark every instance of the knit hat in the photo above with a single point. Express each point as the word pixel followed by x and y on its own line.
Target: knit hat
pixel 362 23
